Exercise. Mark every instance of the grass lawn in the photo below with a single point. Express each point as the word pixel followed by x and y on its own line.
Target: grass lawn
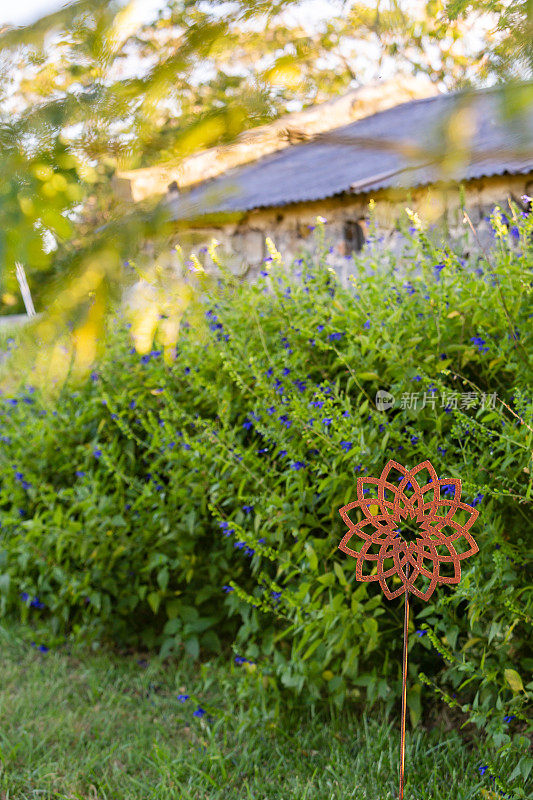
pixel 75 724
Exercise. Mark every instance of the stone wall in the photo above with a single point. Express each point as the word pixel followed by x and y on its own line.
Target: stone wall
pixel 291 227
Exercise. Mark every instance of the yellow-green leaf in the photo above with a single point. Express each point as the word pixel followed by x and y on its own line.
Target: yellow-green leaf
pixel 154 598
pixel 368 376
pixel 514 680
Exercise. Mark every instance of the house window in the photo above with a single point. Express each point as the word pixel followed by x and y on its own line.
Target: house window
pixel 354 237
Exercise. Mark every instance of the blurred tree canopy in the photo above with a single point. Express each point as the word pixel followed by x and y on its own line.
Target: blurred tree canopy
pixel 95 87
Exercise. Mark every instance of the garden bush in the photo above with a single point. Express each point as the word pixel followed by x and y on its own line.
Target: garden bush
pixel 194 504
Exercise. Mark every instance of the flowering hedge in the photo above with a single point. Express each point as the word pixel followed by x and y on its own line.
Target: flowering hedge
pixel 192 505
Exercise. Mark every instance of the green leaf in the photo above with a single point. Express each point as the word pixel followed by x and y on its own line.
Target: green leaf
pixel 310 650
pixel 340 574
pixel 192 647
pixel 311 555
pixel 172 608
pixel 172 626
pixel 526 764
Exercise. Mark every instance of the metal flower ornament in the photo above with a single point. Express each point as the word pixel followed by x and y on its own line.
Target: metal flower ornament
pixel 413 530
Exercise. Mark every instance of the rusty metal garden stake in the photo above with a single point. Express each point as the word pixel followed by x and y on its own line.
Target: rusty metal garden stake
pixel 404 685
pixel 430 507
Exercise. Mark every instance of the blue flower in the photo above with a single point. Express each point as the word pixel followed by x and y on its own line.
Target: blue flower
pixel 271 410
pixel 199 712
pixel 480 343
pixel 346 446
pixel 240 660
pixel 183 698
pixel 327 421
pixel 285 420
pixel 285 371
pixel 414 439
pixel 366 326
pixel 145 359
pixel 298 465
pixel 247 509
pixel 239 545
pixel 417 378
pixel 477 499
pixel 509 718
pixel 515 233
pixel 441 450
pixel 97 453
pixel 409 288
pixel 334 337
pixel 483 769
pixel 227 589
pixel 133 404
pixel 43 649
pixel 421 633
pixel 282 453
pixel 247 424
pixel 275 595
pixel 345 413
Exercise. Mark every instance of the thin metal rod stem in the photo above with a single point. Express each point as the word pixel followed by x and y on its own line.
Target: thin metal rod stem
pixel 404 685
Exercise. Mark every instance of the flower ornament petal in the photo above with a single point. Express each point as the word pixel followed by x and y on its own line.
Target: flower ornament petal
pixel 419 498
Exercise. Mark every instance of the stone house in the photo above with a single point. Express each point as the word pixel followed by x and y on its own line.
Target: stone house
pixel 398 145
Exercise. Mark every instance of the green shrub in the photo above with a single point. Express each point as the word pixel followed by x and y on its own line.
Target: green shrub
pixel 190 505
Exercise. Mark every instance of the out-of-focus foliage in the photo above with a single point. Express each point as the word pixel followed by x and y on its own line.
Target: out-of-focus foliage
pixel 93 87
pixel 509 49
pixel 195 503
